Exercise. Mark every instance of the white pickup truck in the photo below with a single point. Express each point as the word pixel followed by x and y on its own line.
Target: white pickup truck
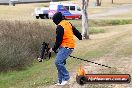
pixel 41 12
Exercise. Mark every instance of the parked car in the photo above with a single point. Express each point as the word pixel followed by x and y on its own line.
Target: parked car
pixel 41 12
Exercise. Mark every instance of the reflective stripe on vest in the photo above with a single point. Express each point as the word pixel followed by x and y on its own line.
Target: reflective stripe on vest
pixel 68 37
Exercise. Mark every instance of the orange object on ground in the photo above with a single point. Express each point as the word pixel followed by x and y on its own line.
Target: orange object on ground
pixel 81 71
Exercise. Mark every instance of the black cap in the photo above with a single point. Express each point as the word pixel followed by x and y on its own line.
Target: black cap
pixel 57 18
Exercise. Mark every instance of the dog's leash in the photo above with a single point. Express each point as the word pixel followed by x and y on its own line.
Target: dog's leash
pixel 45 52
pixel 90 61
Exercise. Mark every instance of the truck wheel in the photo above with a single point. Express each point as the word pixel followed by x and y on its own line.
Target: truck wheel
pixel 41 16
pixel 37 17
pixel 44 17
pixel 80 17
pixel 47 16
pixel 81 80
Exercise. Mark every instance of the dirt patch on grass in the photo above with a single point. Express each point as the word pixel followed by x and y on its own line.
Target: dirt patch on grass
pixel 121 66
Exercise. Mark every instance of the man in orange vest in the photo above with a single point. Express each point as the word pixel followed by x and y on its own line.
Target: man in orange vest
pixel 65 43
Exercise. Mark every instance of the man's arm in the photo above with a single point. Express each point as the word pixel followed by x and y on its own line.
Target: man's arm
pixel 59 37
pixel 77 33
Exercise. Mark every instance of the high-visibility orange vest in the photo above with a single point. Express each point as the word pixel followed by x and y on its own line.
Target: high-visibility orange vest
pixel 68 37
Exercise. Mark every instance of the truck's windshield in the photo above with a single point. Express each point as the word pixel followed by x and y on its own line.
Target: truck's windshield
pixel 78 8
pixel 53 7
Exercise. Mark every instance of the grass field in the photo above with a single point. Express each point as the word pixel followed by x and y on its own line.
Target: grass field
pixel 127 15
pixel 115 44
pixel 110 43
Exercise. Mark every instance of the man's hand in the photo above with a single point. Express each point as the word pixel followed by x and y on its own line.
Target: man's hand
pixel 51 50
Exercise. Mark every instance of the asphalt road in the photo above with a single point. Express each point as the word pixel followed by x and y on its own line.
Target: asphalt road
pixel 112 11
